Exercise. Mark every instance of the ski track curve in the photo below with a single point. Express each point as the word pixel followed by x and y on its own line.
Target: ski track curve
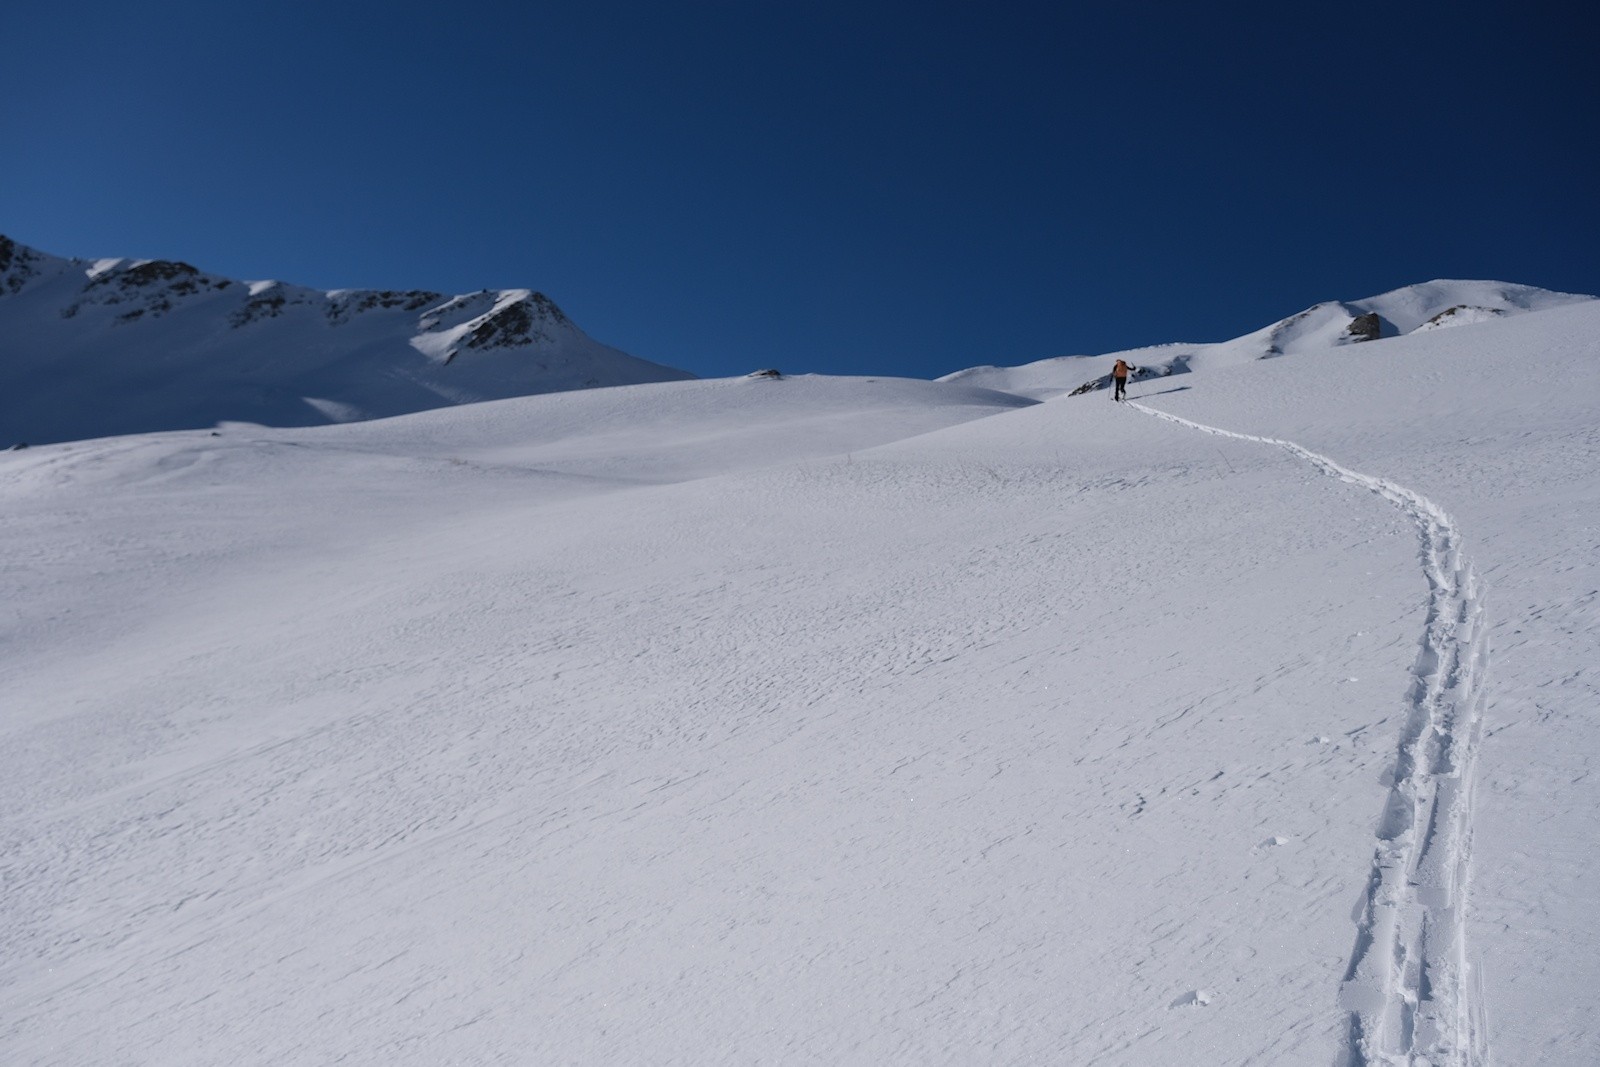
pixel 1409 994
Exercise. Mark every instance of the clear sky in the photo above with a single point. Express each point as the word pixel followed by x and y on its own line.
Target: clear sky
pixel 845 187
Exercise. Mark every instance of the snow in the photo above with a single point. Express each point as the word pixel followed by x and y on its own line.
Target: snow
pixel 103 266
pixel 823 720
pixel 442 345
pixel 1461 315
pixel 131 346
pixel 1410 307
pixel 1407 988
pixel 1425 306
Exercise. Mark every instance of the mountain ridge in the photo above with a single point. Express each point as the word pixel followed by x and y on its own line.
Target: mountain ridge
pixel 119 345
pixel 100 347
pixel 1437 304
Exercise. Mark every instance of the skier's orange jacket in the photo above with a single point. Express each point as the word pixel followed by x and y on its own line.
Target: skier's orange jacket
pixel 1120 370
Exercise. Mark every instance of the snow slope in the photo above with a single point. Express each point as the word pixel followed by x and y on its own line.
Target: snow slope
pixel 114 346
pixel 1332 324
pixel 822 720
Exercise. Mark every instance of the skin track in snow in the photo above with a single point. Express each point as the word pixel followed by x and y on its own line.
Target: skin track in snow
pixel 800 721
pixel 1408 991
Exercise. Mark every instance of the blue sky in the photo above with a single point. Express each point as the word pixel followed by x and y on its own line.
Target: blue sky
pixel 886 188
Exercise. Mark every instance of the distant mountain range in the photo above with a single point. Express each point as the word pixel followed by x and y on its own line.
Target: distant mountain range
pixel 1431 305
pixel 91 348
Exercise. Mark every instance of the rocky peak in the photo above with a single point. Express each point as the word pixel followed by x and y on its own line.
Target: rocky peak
pixel 153 272
pixel 267 300
pixel 490 319
pixel 345 304
pixel 521 320
pixel 19 265
pixel 466 306
pixel 150 287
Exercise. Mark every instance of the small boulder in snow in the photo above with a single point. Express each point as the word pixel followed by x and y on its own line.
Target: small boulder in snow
pixel 1366 327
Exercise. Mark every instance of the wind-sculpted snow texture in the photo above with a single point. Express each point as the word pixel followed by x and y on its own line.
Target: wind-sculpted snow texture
pixel 819 720
pixel 1409 986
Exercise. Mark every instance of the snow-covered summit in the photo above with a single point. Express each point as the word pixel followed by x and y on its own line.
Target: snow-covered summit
pixel 1392 314
pixel 90 348
pixel 1331 324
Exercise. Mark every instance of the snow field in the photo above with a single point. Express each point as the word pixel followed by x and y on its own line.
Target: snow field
pixel 1496 424
pixel 1409 982
pixel 849 758
pixel 836 724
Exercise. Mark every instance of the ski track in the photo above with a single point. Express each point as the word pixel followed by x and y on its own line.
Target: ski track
pixel 1409 995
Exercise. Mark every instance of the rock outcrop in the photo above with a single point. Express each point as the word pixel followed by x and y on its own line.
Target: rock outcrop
pixel 1367 327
